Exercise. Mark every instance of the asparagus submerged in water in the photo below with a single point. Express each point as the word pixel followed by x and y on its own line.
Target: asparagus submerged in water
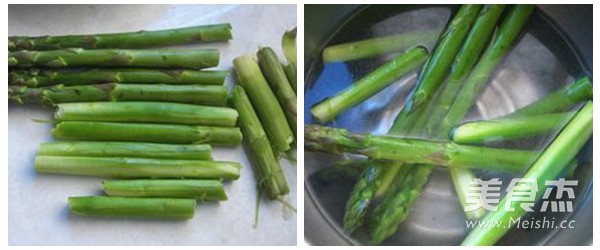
pixel 548 166
pixel 124 40
pixel 369 85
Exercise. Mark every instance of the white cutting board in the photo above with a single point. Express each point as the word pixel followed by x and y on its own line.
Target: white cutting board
pixel 37 208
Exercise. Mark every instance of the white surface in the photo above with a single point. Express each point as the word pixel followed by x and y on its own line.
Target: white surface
pixel 38 213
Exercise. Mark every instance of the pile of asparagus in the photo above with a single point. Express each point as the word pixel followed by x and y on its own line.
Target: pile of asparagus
pixel 150 115
pixel 467 53
pixel 265 98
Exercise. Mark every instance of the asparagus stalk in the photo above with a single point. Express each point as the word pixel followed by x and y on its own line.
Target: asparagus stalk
pixel 204 190
pixel 435 69
pixel 288 45
pixel 125 167
pixel 269 172
pixel 264 102
pixel 152 112
pixel 43 78
pixel 163 208
pixel 195 59
pixel 507 33
pixel 125 40
pixel 275 75
pixel 478 132
pixel 377 46
pixel 290 73
pixel 127 149
pixel 369 85
pixel 560 100
pixel 192 94
pixel 548 166
pixel 465 60
pixel 344 169
pixel 336 141
pixel 400 201
pixel 140 132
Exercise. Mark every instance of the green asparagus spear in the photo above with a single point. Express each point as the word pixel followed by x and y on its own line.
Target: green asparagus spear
pixel 204 190
pixel 558 101
pixel 378 45
pixel 192 94
pixel 507 33
pixel 275 75
pixel 361 197
pixel 465 60
pixel 127 149
pixel 264 102
pixel 478 132
pixel 125 40
pixel 435 69
pixel 124 167
pixel 140 132
pixel 344 169
pixel 195 59
pixel 151 112
pixel 43 78
pixel 335 140
pixel 369 85
pixel 384 221
pixel 162 208
pixel 548 166
pixel 415 122
pixel 266 165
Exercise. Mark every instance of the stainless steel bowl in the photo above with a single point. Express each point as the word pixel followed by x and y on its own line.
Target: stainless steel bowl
pixel 556 48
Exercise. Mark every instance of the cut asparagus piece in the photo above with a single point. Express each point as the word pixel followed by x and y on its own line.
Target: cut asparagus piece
pixel 336 141
pixel 264 102
pixel 377 46
pixel 500 129
pixel 151 112
pixel 369 85
pixel 275 75
pixel 42 78
pixel 507 33
pixel 192 94
pixel 125 167
pixel 162 208
pixel 127 149
pixel 140 132
pixel 194 59
pixel 435 69
pixel 124 40
pixel 288 45
pixel 204 190
pixel 269 172
pixel 548 166
pixel 291 74
pixel 560 100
